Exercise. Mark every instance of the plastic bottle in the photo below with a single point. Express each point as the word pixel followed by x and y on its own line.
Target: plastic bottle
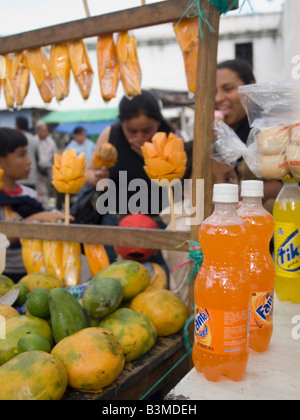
pixel 261 267
pixel 287 242
pixel 222 292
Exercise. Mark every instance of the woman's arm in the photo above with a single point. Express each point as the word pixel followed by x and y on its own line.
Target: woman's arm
pixel 93 173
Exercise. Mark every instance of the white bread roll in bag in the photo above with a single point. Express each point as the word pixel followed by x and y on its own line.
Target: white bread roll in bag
pixel 273 166
pixel 295 134
pixel 293 158
pixel 273 140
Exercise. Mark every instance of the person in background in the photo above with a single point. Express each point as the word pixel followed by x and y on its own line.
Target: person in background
pixel 175 123
pixel 230 75
pixel 21 125
pixel 45 157
pixel 82 144
pixel 140 118
pixel 18 202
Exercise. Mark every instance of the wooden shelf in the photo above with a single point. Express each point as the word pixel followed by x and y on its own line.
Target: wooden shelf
pixel 90 234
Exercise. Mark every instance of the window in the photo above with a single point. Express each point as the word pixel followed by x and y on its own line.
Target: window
pixel 245 52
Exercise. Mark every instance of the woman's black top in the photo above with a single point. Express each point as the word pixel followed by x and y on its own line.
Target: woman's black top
pixel 129 173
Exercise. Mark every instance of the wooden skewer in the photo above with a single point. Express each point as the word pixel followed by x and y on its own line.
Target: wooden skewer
pixel 86 7
pixel 67 209
pixel 173 220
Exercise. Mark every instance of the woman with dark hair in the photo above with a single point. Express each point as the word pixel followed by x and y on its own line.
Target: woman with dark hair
pixel 140 119
pixel 231 75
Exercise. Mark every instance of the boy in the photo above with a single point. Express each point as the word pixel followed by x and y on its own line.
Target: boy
pixel 18 202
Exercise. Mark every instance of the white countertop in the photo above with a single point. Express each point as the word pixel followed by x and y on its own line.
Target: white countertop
pixel 273 375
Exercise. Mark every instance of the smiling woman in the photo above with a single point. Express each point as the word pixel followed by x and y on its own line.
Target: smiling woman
pixel 231 75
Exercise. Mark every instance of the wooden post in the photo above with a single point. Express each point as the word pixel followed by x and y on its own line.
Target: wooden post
pixel 203 126
pixel 204 115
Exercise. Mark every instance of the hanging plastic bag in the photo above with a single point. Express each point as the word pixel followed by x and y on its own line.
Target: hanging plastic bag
pixel 60 70
pixel 7 83
pixel 38 63
pixel 273 111
pixel 108 67
pixel 33 257
pixel 130 70
pixel 71 263
pixel 20 78
pixel 81 67
pixel 228 148
pixel 97 257
pixel 187 34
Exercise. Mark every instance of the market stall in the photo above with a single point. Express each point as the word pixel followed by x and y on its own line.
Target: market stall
pixel 168 350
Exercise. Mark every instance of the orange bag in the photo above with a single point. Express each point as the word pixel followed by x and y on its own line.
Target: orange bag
pixel 130 70
pixel 8 82
pixel 60 70
pixel 97 257
pixel 108 67
pixel 187 34
pixel 81 67
pixel 21 79
pixel 38 63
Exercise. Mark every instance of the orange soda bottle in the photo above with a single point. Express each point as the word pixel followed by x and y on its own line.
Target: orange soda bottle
pixel 261 267
pixel 222 291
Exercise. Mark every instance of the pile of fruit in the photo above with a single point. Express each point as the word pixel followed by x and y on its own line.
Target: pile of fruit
pixel 83 344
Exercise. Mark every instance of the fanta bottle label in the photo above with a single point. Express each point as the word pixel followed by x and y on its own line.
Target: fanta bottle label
pixel 287 249
pixel 262 310
pixel 222 332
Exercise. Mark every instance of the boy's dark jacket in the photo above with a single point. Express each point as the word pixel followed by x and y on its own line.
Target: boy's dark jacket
pixel 23 205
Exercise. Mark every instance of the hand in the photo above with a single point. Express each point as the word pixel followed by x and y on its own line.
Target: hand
pixel 95 175
pixel 48 217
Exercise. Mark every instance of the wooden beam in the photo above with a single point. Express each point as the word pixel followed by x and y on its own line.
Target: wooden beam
pixel 90 234
pixel 138 17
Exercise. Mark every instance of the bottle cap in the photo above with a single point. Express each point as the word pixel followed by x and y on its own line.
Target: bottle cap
pixel 226 193
pixel 252 189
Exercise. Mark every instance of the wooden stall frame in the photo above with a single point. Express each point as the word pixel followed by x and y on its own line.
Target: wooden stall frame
pixel 139 17
pixel 143 16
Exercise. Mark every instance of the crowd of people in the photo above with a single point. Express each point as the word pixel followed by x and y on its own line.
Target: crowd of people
pixel 27 182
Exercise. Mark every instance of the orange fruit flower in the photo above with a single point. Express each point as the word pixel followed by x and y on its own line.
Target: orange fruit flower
pixel 69 172
pixel 165 157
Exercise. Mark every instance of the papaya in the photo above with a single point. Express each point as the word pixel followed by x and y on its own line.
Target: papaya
pixel 8 312
pixel 66 313
pixel 16 328
pixel 45 280
pixel 93 358
pixel 102 297
pixel 5 284
pixel 132 275
pixel 165 309
pixel 158 276
pixel 135 331
pixel 34 375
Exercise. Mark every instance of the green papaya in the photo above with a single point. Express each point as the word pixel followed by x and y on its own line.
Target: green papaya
pixel 102 297
pixel 67 315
